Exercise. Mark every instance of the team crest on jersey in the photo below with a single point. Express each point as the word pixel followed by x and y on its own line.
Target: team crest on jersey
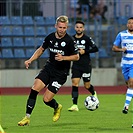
pixel 83 42
pixel 63 44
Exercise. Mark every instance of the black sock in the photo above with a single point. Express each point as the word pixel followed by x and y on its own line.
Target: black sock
pixel 75 94
pixel 91 90
pixel 52 104
pixel 31 101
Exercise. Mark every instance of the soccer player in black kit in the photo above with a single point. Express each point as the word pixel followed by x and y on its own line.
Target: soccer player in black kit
pixel 82 68
pixel 63 50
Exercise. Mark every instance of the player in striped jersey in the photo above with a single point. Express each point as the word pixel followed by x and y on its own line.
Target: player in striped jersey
pixel 124 43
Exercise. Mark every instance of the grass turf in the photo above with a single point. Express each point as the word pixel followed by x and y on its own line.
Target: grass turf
pixel 108 118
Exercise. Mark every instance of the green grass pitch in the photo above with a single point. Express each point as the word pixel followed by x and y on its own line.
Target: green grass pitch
pixel 108 118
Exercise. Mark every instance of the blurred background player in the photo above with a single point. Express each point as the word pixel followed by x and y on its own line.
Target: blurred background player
pixel 124 43
pixel 82 67
pixel 62 49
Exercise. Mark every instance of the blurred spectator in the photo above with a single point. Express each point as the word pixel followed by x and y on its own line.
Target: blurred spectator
pixel 74 3
pixel 16 6
pixel 31 9
pixel 102 8
pixel 96 7
pixel 83 2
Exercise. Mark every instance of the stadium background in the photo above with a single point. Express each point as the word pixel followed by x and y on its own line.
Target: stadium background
pixel 24 24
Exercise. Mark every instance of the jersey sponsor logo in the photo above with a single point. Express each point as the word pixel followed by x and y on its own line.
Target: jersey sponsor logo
pixel 56 51
pixel 63 44
pixel 86 75
pixel 56 84
pixel 81 46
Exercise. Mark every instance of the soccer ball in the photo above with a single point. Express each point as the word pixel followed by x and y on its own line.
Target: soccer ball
pixel 91 103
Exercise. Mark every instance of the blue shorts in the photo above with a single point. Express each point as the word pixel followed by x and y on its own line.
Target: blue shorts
pixel 127 72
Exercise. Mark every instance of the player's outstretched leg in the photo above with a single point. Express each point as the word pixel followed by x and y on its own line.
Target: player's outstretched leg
pixel 57 113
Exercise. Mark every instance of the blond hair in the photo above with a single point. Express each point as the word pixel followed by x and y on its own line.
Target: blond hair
pixel 63 19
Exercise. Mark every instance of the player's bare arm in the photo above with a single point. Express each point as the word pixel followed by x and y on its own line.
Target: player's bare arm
pixel 60 57
pixel 35 56
pixel 117 49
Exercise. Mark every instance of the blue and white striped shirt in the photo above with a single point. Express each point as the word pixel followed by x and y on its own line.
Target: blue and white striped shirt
pixel 125 39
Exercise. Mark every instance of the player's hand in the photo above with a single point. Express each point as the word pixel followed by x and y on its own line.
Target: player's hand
pixel 81 51
pixel 124 50
pixel 27 63
pixel 59 57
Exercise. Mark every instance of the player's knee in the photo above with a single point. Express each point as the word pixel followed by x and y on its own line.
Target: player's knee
pixel 38 85
pixel 75 84
pixel 130 83
pixel 34 87
pixel 47 99
pixel 87 86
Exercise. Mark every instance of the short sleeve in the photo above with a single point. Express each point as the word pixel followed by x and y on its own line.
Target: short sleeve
pixel 45 43
pixel 117 41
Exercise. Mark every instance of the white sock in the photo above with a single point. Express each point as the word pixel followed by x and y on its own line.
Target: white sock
pixel 28 115
pixel 129 96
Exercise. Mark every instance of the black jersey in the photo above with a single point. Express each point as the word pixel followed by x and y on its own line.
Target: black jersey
pixel 65 46
pixel 86 43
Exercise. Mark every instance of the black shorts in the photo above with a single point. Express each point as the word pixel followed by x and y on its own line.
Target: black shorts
pixel 84 72
pixel 52 77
